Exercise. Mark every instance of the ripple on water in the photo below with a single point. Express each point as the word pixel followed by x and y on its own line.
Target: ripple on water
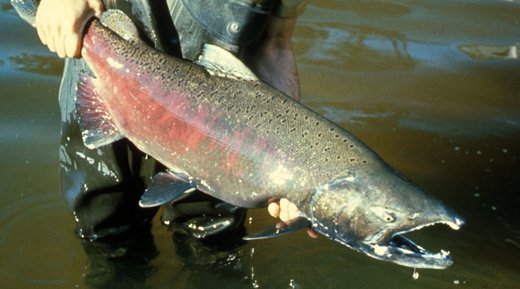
pixel 30 229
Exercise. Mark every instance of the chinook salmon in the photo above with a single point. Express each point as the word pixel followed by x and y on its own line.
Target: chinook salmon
pixel 221 131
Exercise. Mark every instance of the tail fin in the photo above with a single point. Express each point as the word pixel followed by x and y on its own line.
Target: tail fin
pixel 121 24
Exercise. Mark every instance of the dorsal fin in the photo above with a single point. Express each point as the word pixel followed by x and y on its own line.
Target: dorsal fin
pixel 220 62
pixel 120 23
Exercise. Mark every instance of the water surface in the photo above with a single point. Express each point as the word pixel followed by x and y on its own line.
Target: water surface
pixel 432 86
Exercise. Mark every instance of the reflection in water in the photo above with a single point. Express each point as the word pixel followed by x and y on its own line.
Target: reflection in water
pixel 218 257
pixel 120 263
pixel 357 48
pixel 486 52
pixel 367 7
pixel 354 116
pixel 40 64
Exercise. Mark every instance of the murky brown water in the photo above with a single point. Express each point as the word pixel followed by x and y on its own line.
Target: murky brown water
pixel 432 86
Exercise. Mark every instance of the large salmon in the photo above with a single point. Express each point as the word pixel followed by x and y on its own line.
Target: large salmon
pixel 221 131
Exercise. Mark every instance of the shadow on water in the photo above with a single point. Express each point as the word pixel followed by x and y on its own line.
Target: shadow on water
pixel 431 86
pixel 39 64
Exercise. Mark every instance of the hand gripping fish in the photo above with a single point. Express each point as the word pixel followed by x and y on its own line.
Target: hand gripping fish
pixel 220 130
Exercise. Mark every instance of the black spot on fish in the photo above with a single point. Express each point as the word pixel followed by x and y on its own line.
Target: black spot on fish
pixel 269 99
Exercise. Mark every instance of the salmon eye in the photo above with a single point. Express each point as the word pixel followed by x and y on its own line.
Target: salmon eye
pixel 385 214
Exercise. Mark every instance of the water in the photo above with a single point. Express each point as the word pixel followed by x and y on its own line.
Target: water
pixel 432 86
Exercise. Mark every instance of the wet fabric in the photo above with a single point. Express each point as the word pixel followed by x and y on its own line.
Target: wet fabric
pixel 230 24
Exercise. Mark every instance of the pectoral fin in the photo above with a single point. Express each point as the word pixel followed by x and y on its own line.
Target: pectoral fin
pixel 280 229
pixel 164 188
pixel 97 127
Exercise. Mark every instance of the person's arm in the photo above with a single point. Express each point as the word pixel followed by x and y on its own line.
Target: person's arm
pixel 60 24
pixel 271 58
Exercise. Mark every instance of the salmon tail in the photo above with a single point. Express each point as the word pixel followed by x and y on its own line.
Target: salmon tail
pixel 26 9
pixel 97 127
pixel 121 24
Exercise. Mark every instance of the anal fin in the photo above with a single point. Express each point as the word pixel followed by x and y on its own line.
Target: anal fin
pixel 280 229
pixel 97 127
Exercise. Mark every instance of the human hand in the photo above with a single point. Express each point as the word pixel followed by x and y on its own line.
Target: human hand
pixel 286 211
pixel 60 24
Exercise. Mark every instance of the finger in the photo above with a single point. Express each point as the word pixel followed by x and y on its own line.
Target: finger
pixel 73 45
pixel 288 210
pixel 98 8
pixel 41 33
pixel 294 212
pixel 51 41
pixel 60 46
pixel 40 27
pixel 59 42
pixel 284 210
pixel 313 234
pixel 274 209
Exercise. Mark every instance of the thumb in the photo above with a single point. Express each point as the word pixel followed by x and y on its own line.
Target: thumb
pixel 97 7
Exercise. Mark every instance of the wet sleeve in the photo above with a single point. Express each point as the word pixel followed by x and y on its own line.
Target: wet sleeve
pixel 291 8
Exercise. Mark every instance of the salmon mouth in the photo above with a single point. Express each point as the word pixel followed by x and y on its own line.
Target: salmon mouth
pixel 403 251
